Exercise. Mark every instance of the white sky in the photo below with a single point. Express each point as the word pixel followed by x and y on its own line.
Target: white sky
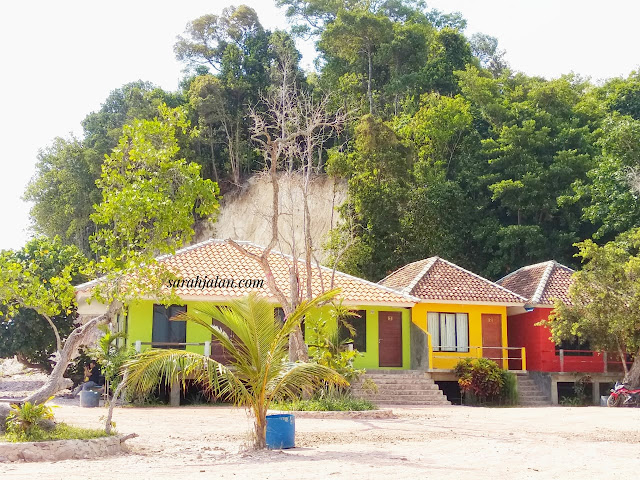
pixel 61 59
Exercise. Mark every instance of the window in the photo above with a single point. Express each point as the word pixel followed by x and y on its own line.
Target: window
pixel 574 344
pixel 278 312
pixel 166 331
pixel 449 331
pixel 359 324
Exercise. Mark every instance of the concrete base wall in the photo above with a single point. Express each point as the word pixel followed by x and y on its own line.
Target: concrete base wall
pixel 419 358
pixel 54 451
pixel 596 380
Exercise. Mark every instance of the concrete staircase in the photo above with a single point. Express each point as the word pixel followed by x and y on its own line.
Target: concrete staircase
pixel 399 387
pixel 529 393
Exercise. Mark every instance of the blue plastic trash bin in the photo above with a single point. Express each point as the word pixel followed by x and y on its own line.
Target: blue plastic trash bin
pixel 89 398
pixel 281 431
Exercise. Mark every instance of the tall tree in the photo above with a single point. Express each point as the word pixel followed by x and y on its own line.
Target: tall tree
pixel 379 175
pixel 606 298
pixel 63 192
pixel 38 302
pixel 150 202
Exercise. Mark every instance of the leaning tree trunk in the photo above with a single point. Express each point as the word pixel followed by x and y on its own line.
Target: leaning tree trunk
pixel 633 375
pixel 76 338
pixel 108 425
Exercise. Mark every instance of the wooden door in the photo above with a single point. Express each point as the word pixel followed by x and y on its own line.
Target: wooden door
pixel 492 337
pixel 390 339
pixel 218 352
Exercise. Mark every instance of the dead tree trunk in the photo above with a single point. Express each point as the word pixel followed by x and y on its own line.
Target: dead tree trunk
pixel 76 338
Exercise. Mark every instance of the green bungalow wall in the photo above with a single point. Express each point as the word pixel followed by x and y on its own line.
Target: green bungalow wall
pixel 140 322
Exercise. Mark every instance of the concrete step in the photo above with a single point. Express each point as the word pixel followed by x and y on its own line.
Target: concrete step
pixel 403 401
pixel 398 386
pixel 412 404
pixel 528 392
pixel 414 398
pixel 408 390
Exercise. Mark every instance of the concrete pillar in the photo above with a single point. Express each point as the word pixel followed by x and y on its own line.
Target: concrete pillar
pixel 562 360
pixel 596 392
pixel 554 391
pixel 174 396
pixel 138 346
pixel 207 349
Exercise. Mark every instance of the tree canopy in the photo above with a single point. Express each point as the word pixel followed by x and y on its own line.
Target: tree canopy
pixel 446 150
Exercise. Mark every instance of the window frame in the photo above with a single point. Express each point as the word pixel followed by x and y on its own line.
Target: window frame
pixel 361 336
pixel 437 345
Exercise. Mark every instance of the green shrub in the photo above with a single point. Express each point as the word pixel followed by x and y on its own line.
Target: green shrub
pixel 328 348
pixel 339 402
pixel 509 392
pixel 23 420
pixel 24 424
pixel 481 377
pixel 62 431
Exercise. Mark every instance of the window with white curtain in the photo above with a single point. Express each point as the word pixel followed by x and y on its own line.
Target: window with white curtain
pixel 449 331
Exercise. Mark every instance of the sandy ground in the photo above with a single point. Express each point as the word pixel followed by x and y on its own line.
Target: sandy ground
pixel 437 442
pixel 16 381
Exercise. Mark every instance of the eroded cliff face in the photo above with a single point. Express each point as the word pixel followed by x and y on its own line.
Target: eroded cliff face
pixel 246 214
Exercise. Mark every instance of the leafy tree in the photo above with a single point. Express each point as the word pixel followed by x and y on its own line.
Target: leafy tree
pixel 355 37
pixel 613 205
pixel 605 299
pixel 379 176
pixel 40 278
pixel 151 200
pixel 259 371
pixel 485 49
pixel 38 301
pixel 63 192
pixel 63 189
pixel 623 95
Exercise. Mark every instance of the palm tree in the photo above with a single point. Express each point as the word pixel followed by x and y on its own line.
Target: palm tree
pixel 259 371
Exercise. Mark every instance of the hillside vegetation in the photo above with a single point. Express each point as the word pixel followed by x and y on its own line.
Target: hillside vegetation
pixel 441 147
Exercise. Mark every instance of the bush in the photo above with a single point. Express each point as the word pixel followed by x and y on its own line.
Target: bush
pixel 62 431
pixel 482 380
pixel 328 347
pixel 34 423
pixel 332 402
pixel 23 422
pixel 509 393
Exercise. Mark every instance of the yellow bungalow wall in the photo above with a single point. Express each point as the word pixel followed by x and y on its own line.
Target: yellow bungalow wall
pixel 448 360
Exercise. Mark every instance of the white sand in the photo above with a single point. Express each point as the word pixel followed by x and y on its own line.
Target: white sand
pixel 437 442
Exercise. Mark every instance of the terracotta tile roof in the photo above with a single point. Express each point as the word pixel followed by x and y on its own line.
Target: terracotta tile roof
pixel 436 279
pixel 541 283
pixel 214 260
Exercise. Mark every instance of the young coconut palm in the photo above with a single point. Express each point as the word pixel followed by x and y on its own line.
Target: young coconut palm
pixel 258 372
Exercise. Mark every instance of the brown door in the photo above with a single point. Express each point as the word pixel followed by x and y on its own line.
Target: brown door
pixel 218 352
pixel 492 337
pixel 390 339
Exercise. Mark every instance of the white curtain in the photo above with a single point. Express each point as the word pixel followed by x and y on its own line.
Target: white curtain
pixel 462 332
pixel 448 329
pixel 433 327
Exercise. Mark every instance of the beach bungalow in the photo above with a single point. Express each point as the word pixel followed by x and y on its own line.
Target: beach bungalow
pixel 555 368
pixel 462 314
pixel 215 271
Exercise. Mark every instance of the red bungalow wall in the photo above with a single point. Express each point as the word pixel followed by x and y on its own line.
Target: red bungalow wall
pixel 540 351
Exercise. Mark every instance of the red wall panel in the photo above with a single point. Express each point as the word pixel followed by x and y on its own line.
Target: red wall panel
pixel 540 350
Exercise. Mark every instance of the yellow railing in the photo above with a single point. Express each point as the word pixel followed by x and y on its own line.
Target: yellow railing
pixel 477 352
